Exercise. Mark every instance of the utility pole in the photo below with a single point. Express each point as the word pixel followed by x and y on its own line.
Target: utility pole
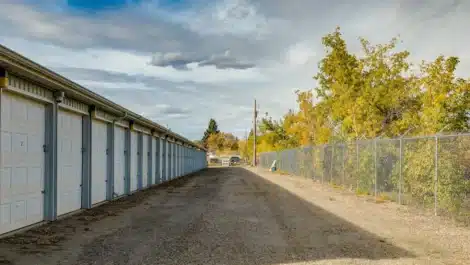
pixel 255 115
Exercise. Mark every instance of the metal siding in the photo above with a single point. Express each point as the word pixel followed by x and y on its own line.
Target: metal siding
pixel 167 162
pixel 139 161
pixel 175 161
pixel 159 160
pixel 119 161
pixel 172 161
pixel 168 170
pixel 145 160
pixel 175 155
pixel 86 162
pixel 186 161
pixel 20 85
pixel 150 164
pixel 110 161
pixel 174 166
pixel 182 160
pixel 23 162
pixel 99 160
pixel 154 166
pixel 134 158
pixel 69 162
pixel 162 159
pixel 178 168
pixel 127 152
pixel 74 105
pixel 50 178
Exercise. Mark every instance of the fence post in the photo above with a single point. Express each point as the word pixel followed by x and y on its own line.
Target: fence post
pixel 323 164
pixel 375 167
pixel 436 176
pixel 331 162
pixel 344 163
pixel 400 177
pixel 357 165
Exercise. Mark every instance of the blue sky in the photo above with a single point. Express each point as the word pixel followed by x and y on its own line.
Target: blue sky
pixel 180 63
pixel 103 5
pixel 97 5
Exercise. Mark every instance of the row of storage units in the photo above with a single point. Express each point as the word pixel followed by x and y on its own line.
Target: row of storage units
pixel 60 155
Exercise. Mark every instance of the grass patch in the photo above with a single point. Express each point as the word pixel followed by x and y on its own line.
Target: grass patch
pixel 336 186
pixel 382 198
pixel 362 193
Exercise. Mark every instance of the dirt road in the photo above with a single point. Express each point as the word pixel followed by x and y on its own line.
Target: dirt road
pixel 221 216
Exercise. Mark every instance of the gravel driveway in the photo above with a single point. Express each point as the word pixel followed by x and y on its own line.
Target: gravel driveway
pixel 220 216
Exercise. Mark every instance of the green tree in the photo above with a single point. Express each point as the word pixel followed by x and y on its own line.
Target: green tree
pixel 212 128
pixel 445 98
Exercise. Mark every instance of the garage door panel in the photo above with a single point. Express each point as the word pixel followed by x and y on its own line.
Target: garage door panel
pixel 69 161
pixel 22 178
pixel 145 160
pixel 69 201
pixel 154 161
pixel 119 160
pixel 99 161
pixel 134 161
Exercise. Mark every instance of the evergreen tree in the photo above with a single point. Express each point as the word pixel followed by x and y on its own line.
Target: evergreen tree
pixel 212 128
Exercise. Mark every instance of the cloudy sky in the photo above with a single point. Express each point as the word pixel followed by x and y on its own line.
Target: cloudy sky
pixel 181 62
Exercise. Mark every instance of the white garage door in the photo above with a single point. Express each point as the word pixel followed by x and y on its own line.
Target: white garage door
pixel 134 161
pixel 69 162
pixel 145 158
pixel 22 178
pixel 99 161
pixel 119 160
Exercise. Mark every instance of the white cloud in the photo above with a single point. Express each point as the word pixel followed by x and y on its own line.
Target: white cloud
pixel 234 17
pixel 300 53
pixel 232 50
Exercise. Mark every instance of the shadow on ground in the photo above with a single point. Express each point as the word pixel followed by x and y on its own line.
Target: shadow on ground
pixel 47 237
pixel 270 225
pixel 216 216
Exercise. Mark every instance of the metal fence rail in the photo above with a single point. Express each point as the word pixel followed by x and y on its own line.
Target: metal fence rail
pixel 430 172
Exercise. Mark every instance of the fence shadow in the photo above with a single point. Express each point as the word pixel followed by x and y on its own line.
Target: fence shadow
pixel 307 232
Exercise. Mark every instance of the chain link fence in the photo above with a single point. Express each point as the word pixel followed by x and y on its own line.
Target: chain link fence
pixel 431 172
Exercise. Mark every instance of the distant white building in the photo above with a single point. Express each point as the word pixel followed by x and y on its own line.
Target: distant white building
pixel 211 155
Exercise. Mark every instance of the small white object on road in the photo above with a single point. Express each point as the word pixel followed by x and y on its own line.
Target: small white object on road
pixel 273 166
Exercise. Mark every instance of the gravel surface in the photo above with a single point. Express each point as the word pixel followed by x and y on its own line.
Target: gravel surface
pixel 233 216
